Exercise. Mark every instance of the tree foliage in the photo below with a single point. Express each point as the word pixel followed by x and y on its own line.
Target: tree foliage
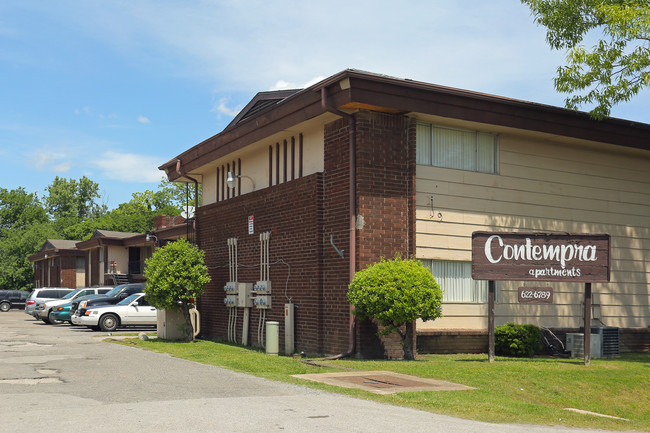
pixel 73 200
pixel 24 227
pixel 16 246
pixel 176 275
pixel 617 67
pixel 19 209
pixel 71 210
pixel 396 293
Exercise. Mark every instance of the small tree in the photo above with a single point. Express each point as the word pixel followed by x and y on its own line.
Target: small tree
pixel 176 275
pixel 396 293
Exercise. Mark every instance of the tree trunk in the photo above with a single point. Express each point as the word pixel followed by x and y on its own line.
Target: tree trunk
pixel 407 342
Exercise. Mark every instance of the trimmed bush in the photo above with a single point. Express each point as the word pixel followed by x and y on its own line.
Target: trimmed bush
pixel 396 293
pixel 520 341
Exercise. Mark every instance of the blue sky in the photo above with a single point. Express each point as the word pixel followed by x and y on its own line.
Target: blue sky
pixel 111 89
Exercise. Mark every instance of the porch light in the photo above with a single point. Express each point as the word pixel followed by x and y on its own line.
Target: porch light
pixel 230 180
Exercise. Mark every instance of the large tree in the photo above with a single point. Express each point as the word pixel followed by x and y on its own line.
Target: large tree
pixel 19 209
pixel 396 293
pixel 73 199
pixel 24 227
pixel 613 70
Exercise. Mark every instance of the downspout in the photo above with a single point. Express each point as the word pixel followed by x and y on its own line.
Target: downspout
pixel 196 199
pixel 352 128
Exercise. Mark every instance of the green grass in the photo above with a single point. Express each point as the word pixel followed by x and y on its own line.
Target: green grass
pixel 528 391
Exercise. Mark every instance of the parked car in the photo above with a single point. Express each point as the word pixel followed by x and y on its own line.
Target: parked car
pixel 42 294
pixel 111 298
pixel 63 313
pixel 133 310
pixel 44 308
pixel 12 299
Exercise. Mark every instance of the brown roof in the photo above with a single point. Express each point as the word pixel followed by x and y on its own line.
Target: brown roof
pixel 353 89
pixel 52 244
pixel 112 234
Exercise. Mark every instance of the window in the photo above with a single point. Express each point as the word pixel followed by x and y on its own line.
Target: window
pixel 455 280
pixel 456 148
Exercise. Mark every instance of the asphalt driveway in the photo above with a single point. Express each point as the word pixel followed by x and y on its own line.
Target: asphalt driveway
pixel 65 379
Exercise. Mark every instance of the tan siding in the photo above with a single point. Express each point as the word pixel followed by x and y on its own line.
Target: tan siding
pixel 545 185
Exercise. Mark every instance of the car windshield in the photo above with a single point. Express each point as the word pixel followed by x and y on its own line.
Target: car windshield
pixel 114 291
pixel 71 294
pixel 127 301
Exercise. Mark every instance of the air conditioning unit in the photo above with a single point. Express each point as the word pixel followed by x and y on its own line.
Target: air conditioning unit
pixel 575 343
pixel 610 342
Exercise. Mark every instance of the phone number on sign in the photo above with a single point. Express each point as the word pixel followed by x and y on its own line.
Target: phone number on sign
pixel 534 294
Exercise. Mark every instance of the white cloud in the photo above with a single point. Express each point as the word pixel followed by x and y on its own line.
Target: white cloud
pixel 128 167
pixel 282 84
pixel 143 119
pixel 84 110
pixel 45 160
pixel 64 167
pixel 221 107
pixel 477 45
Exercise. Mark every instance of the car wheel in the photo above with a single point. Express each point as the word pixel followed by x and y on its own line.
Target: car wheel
pixel 109 322
pixel 45 320
pixel 5 306
pixel 54 321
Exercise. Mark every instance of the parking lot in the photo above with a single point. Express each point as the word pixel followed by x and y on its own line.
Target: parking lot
pixel 64 378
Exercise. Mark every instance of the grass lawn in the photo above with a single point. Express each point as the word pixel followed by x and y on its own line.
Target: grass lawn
pixel 529 391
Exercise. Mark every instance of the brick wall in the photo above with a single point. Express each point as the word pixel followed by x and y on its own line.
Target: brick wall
pixel 291 212
pixel 452 341
pixel 69 271
pixel 385 179
pixel 336 224
pixel 305 216
pixel 164 221
pixel 476 341
pixel 385 158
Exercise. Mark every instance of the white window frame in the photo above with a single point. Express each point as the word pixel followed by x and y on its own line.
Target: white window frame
pixel 467 150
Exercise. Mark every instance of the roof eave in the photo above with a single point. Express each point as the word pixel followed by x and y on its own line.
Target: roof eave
pixel 408 96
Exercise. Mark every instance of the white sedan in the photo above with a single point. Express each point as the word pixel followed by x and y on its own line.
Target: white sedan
pixel 131 311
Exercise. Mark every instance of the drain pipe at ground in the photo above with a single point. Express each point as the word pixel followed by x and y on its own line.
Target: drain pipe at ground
pixel 352 214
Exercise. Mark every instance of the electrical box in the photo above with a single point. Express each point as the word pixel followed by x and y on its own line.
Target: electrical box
pixel 244 294
pixel 262 288
pixel 230 287
pixel 230 301
pixel 262 301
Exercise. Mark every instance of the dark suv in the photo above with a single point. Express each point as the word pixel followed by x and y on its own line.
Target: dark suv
pixel 115 295
pixel 12 299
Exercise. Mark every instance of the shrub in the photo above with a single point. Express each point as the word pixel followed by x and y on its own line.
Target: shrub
pixel 396 293
pixel 176 275
pixel 517 340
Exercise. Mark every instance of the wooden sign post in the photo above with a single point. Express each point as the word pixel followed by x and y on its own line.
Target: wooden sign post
pixel 507 256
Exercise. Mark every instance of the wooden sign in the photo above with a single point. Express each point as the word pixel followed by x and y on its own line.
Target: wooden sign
pixel 504 256
pixel 536 295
